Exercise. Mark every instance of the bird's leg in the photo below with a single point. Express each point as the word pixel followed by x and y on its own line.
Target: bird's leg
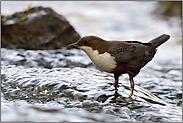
pixel 132 85
pixel 116 76
pixel 116 83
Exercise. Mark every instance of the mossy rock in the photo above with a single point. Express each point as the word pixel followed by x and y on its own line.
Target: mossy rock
pixel 38 28
pixel 169 9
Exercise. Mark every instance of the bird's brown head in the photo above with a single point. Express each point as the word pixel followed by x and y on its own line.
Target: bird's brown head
pixel 90 41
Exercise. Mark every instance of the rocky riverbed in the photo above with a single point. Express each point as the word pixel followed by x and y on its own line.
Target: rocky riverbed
pixel 65 82
pixel 64 85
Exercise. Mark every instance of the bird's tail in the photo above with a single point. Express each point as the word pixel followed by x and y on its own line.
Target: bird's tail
pixel 159 40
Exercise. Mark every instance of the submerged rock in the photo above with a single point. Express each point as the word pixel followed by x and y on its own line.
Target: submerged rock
pixel 45 58
pixel 81 89
pixel 37 28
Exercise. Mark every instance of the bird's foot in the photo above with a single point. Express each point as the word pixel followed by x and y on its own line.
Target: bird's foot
pixel 131 93
pixel 130 96
pixel 116 88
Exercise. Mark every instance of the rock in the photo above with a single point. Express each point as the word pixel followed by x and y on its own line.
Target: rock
pixel 37 28
pixel 169 9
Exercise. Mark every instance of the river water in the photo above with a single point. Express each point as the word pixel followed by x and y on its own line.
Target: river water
pixel 64 85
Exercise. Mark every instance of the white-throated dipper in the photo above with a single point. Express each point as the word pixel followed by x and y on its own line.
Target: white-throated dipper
pixel 120 57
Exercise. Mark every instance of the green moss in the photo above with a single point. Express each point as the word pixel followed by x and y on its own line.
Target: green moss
pixel 21 20
pixel 3 18
pixel 179 96
pixel 172 8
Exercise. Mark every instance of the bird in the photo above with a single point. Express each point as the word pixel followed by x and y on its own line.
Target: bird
pixel 119 57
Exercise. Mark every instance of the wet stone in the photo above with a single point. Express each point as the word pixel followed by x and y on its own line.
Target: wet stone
pixel 46 30
pixel 45 58
pixel 63 84
pixel 84 89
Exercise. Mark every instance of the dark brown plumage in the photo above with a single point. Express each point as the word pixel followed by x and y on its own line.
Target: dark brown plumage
pixel 125 56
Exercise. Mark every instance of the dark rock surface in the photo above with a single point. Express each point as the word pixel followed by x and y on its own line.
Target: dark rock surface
pixel 37 28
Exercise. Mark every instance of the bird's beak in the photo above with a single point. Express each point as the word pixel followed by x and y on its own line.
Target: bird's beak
pixel 73 45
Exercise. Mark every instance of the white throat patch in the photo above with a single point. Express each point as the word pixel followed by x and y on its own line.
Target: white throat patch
pixel 104 62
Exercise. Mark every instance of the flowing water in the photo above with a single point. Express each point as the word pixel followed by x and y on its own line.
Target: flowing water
pixel 64 85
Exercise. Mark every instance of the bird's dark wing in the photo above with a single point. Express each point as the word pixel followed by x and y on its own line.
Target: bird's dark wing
pixel 126 51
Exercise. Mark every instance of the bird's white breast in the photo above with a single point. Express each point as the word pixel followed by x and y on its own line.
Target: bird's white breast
pixel 104 61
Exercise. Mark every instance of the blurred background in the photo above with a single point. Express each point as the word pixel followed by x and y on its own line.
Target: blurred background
pixel 120 20
pixel 36 63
